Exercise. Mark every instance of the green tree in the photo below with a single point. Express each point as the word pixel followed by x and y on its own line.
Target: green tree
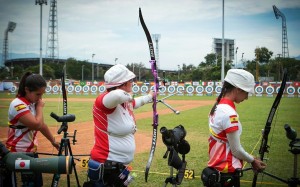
pixel 211 59
pixel 48 72
pixel 263 56
pixel 4 74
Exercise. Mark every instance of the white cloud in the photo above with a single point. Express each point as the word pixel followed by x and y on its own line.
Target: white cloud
pixel 110 28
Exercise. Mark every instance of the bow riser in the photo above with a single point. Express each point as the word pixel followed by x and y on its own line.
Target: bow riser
pixel 155 75
pixel 264 142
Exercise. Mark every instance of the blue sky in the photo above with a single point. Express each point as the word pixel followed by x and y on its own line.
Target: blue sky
pixel 110 28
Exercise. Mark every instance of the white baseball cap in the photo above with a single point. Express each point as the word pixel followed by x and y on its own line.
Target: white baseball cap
pixel 241 79
pixel 117 75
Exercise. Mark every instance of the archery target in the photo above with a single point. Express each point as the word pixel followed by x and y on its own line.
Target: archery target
pixel 70 89
pixel 135 89
pixel 144 89
pixel 101 89
pixel 180 89
pixel 152 88
pixel 290 90
pixel 270 90
pixel 94 89
pixel 78 89
pixel 218 89
pixel 55 89
pixel 190 89
pixel 199 89
pixel 162 89
pixel 277 89
pixel 171 89
pixel 259 89
pixel 48 89
pixel 86 88
pixel 209 89
pixel 13 89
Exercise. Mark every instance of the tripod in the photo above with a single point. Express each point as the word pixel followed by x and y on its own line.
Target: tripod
pixel 295 149
pixel 65 146
pixel 174 161
pixel 171 179
pixel 293 181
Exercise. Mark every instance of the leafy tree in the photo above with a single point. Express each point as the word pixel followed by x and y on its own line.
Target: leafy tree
pixel 291 64
pixel 141 72
pixel 211 59
pixel 263 56
pixel 4 74
pixel 48 72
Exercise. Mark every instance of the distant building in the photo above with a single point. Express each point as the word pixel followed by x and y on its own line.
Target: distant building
pixel 228 46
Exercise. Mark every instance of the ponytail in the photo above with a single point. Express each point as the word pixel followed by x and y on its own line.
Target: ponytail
pixel 21 90
pixel 227 87
pixel 31 81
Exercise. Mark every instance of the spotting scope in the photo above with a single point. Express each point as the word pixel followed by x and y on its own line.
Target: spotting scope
pixel 17 161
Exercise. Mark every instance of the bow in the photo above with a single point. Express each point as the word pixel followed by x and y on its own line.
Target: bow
pixel 156 87
pixel 63 127
pixel 65 143
pixel 264 141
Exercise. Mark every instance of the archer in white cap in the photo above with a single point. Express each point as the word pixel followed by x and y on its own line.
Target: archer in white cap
pixel 226 153
pixel 115 124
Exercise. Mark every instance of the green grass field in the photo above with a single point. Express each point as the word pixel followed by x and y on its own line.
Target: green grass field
pixel 253 115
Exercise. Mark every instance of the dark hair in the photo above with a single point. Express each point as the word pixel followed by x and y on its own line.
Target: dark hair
pixel 32 81
pixel 227 87
pixel 116 87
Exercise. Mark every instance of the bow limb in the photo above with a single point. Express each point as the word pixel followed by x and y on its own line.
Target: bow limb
pixel 64 126
pixel 63 88
pixel 156 87
pixel 264 141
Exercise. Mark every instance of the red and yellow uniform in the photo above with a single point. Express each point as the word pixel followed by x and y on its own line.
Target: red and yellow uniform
pixel 20 139
pixel 225 120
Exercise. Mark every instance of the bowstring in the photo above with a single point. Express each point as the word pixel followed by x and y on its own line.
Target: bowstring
pixel 271 140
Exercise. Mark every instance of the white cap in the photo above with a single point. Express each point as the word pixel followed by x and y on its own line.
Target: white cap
pixel 117 75
pixel 241 79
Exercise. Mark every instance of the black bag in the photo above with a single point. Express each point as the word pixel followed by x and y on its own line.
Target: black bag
pixel 210 177
pixel 95 170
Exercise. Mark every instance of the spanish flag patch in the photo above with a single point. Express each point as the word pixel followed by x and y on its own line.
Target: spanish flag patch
pixel 20 107
pixel 234 119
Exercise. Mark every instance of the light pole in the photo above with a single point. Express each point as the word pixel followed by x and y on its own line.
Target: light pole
pixel 178 72
pixel 133 67
pixel 10 28
pixel 82 67
pixel 93 68
pixel 116 60
pixel 41 2
pixel 236 56
pixel 242 57
pixel 140 71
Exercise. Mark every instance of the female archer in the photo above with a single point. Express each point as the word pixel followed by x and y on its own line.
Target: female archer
pixel 115 127
pixel 226 154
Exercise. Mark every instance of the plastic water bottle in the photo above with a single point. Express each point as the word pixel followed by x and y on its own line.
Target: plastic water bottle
pixel 125 172
pixel 130 178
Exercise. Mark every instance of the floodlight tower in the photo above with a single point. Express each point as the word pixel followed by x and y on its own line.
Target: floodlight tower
pixel 52 39
pixel 156 38
pixel 41 2
pixel 10 28
pixel 285 49
pixel 93 68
